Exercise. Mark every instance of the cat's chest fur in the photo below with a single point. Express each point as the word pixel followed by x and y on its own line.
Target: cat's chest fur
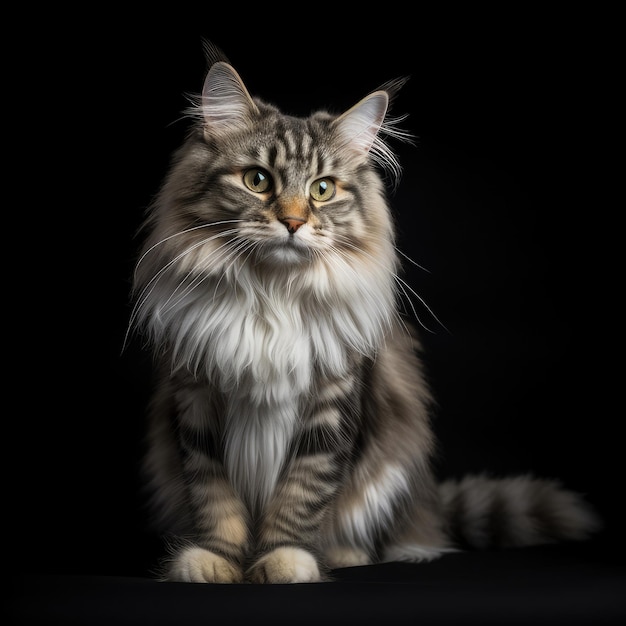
pixel 267 343
pixel 264 346
pixel 262 338
pixel 266 352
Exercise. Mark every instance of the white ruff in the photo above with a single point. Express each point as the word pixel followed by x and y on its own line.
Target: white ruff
pixel 261 340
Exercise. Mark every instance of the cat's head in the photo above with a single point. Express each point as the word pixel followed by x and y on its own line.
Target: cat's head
pixel 255 194
pixel 252 186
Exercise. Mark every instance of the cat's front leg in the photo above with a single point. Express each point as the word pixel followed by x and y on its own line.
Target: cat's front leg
pixel 289 532
pixel 216 553
pixel 288 541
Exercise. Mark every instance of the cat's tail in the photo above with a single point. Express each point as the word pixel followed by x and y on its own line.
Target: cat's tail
pixel 483 512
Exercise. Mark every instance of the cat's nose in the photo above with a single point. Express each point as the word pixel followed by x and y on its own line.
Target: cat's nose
pixel 292 223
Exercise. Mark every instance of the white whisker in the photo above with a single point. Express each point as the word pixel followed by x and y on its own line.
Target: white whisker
pixel 242 247
pixel 410 260
pixel 178 234
pixel 149 287
pixel 377 304
pixel 200 272
pixel 402 284
pixel 406 285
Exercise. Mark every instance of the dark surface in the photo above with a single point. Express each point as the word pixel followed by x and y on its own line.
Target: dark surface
pixel 505 199
pixel 569 585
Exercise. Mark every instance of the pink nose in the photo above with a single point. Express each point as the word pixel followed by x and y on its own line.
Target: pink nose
pixel 292 223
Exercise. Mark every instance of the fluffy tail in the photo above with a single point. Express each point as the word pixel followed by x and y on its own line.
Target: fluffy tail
pixel 482 512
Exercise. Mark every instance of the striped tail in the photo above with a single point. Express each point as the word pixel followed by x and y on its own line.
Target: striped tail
pixel 483 512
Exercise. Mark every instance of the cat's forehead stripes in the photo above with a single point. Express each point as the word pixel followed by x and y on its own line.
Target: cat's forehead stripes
pixel 293 148
pixel 292 144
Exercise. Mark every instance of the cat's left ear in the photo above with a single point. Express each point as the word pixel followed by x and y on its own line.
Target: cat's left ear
pixel 226 103
pixel 358 127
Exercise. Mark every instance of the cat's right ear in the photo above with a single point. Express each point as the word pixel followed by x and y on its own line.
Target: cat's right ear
pixel 226 103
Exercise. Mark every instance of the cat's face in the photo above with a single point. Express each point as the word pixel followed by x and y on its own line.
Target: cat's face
pixel 297 199
pixel 256 186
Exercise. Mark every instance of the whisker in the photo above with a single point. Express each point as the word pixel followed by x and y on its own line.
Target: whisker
pixel 237 248
pixel 199 278
pixel 407 299
pixel 149 287
pixel 402 284
pixel 243 246
pixel 410 260
pixel 341 256
pixel 181 255
pixel 151 284
pixel 182 232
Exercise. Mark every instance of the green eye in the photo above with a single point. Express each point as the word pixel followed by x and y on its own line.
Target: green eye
pixel 322 189
pixel 257 180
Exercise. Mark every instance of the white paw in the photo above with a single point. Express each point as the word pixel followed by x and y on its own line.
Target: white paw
pixel 346 556
pixel 196 565
pixel 285 565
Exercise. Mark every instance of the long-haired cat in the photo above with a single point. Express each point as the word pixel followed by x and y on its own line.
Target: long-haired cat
pixel 289 429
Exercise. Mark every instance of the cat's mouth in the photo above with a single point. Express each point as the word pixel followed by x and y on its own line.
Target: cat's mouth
pixel 290 249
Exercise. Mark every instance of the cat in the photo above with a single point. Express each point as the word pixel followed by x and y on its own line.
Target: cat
pixel 289 430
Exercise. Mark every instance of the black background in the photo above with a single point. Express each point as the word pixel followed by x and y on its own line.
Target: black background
pixel 501 199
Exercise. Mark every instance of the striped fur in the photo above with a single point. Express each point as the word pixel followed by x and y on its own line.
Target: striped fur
pixel 289 429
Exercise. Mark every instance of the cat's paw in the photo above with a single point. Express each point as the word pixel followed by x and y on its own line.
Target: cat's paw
pixel 346 556
pixel 197 565
pixel 285 565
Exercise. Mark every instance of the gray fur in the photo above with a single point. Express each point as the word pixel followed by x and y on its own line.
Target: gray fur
pixel 290 426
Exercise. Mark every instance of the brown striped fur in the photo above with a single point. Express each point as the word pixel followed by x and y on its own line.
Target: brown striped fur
pixel 289 429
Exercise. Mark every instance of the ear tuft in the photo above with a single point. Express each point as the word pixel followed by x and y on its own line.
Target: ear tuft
pixel 226 103
pixel 213 53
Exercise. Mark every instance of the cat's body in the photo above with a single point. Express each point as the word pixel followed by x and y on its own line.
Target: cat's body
pixel 289 430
